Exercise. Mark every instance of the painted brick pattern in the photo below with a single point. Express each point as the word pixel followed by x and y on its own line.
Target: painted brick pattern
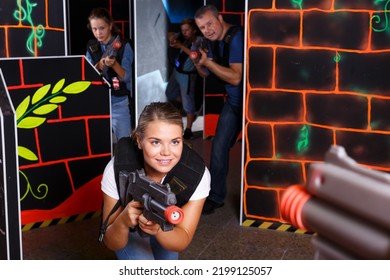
pixel 73 144
pixel 316 76
pixel 30 29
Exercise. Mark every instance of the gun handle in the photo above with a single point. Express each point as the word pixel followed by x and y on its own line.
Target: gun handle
pixel 174 214
pixel 141 232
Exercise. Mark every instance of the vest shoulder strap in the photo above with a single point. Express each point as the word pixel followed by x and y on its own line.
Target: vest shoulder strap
pixel 185 177
pixel 223 59
pixel 231 32
pixel 94 49
pixel 127 157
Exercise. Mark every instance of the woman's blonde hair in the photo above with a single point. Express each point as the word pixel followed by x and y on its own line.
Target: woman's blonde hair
pixel 161 111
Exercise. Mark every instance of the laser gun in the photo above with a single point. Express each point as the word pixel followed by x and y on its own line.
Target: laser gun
pixel 345 205
pixel 112 49
pixel 195 54
pixel 158 200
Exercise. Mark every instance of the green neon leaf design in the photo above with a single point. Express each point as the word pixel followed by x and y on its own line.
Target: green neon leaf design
pixel 27 154
pixel 31 122
pixel 58 99
pixel 42 189
pixel 58 86
pixel 42 104
pixel 77 87
pixel 40 93
pixel 45 109
pixel 22 107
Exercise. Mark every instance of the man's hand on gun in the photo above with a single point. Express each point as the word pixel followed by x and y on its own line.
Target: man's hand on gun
pixel 199 57
pixel 199 52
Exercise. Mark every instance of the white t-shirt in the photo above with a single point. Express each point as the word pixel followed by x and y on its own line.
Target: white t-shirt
pixel 110 189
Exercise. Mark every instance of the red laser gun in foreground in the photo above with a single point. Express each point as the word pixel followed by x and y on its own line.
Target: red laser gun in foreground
pixel 158 200
pixel 346 205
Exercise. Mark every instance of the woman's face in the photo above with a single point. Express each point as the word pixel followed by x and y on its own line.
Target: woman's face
pixel 101 30
pixel 162 147
pixel 187 31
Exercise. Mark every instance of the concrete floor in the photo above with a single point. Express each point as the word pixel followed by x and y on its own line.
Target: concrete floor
pixel 219 236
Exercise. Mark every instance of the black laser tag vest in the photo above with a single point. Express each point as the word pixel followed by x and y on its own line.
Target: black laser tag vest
pixel 224 59
pixel 95 50
pixel 183 179
pixel 184 64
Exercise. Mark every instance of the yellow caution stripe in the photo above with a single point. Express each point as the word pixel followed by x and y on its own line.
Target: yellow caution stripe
pixel 62 220
pixel 273 226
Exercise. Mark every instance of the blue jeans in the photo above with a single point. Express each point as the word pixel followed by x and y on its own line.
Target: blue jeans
pixel 228 128
pixel 183 85
pixel 147 248
pixel 120 116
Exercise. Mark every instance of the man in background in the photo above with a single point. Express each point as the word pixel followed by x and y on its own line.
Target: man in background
pixel 223 58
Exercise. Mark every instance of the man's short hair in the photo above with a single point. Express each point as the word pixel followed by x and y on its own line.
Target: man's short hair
pixel 207 8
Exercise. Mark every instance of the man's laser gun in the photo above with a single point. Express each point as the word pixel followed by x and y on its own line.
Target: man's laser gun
pixel 346 205
pixel 158 200
pixel 195 54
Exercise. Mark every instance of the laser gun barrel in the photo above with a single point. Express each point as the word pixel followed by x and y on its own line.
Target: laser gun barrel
pixel 345 205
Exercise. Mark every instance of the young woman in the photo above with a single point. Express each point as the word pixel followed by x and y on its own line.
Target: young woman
pixel 157 147
pixel 113 57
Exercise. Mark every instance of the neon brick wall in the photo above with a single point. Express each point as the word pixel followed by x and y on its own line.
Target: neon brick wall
pixel 317 75
pixel 10 245
pixel 32 28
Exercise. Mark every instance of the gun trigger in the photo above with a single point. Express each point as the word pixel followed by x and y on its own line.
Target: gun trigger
pixel 133 177
pixel 146 202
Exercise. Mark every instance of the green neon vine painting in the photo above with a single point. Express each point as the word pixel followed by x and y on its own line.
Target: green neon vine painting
pixel 298 3
pixel 303 139
pixel 377 19
pixel 24 14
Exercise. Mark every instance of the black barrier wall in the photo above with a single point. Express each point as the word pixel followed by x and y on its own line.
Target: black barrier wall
pixel 64 137
pixel 10 230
